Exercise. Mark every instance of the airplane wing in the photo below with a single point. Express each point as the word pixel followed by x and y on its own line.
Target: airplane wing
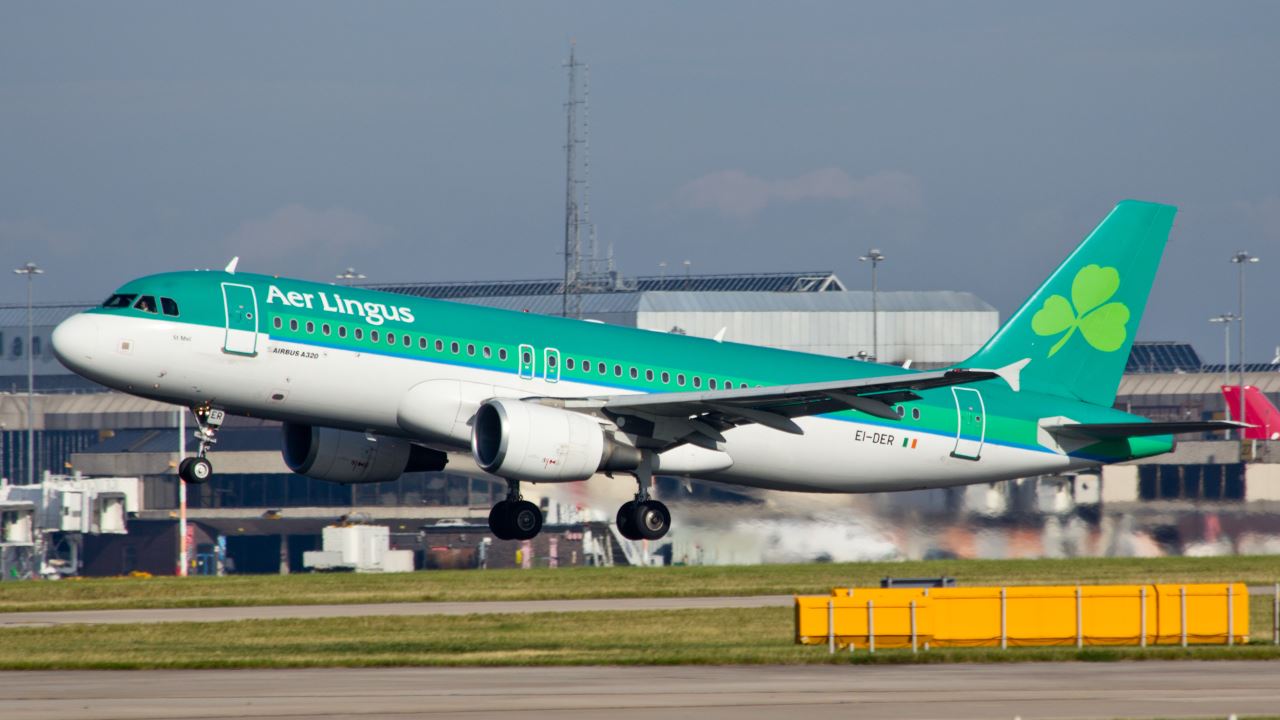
pixel 700 417
pixel 1108 431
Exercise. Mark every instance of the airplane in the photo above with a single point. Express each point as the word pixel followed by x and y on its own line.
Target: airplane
pixel 1259 412
pixel 370 385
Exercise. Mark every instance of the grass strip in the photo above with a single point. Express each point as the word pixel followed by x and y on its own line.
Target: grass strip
pixel 677 637
pixel 615 582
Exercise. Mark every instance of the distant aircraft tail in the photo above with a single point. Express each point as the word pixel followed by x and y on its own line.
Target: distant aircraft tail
pixel 1074 333
pixel 1258 412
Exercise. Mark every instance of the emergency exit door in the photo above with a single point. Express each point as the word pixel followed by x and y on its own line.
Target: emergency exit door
pixel 241 304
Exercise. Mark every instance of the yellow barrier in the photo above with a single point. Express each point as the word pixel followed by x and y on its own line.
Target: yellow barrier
pixel 1025 616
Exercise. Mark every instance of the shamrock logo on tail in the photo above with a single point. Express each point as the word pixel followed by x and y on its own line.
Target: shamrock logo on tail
pixel 1103 326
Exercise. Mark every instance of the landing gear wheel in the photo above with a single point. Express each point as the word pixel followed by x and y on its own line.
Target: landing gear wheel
pixel 626 520
pixel 195 470
pixel 499 523
pixel 524 520
pixel 651 520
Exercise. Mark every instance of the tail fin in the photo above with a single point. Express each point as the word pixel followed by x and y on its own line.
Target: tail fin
pixel 1075 332
pixel 1258 412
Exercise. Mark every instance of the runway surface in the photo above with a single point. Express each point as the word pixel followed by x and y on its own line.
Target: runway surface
pixel 1033 690
pixel 276 612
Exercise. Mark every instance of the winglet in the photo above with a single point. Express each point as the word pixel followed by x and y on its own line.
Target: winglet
pixel 1012 373
pixel 231 266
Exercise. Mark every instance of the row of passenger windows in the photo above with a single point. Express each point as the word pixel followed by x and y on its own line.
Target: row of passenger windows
pixel 145 303
pixel 526 357
pixel 390 338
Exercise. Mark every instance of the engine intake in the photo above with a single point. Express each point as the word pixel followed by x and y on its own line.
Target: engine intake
pixel 527 441
pixel 344 456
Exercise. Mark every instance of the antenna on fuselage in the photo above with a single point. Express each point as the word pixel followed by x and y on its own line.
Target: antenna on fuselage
pixel 231 266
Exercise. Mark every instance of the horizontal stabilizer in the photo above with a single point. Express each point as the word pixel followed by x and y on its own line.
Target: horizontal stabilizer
pixel 1108 431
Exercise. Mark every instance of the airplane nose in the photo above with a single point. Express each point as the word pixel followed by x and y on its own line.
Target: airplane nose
pixel 75 341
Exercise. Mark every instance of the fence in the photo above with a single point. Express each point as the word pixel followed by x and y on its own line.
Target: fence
pixel 1024 616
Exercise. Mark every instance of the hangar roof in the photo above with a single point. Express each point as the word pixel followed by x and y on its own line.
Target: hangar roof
pixel 847 301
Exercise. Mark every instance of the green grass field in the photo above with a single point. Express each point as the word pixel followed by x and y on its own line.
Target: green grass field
pixel 739 636
pixel 478 585
pixel 720 637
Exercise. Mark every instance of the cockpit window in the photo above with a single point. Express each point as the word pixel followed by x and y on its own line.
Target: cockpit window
pixel 146 303
pixel 119 301
pixel 169 306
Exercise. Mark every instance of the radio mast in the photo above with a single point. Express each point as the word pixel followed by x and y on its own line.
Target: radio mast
pixel 571 305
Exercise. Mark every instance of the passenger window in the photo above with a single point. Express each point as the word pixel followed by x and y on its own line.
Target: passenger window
pixel 278 322
pixel 342 331
pixel 502 353
pixel 119 301
pixel 666 378
pixel 169 306
pixel 453 346
pixel 711 383
pixel 311 328
pixel 635 373
pixel 648 375
pixel 488 352
pixel 526 357
pixel 568 363
pixel 586 365
pixel 422 343
pixel 293 324
pixel 680 379
pixel 406 340
pixel 602 368
pixel 471 349
pixel 146 303
pixel 901 411
pixel 915 413
pixel 697 381
pixel 391 338
pixel 439 346
pixel 373 335
pixel 325 329
pixel 617 370
pixel 359 334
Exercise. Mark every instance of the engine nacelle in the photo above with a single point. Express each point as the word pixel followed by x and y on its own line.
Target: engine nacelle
pixel 527 441
pixel 343 456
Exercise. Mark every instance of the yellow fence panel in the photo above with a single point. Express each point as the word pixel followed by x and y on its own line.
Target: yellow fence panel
pixel 1026 616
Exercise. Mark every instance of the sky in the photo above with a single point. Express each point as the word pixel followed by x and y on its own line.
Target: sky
pixel 973 143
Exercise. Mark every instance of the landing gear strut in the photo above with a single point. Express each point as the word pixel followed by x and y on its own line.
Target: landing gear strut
pixel 515 518
pixel 197 470
pixel 643 518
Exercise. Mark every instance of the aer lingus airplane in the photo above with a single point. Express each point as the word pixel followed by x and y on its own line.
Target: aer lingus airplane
pixel 370 385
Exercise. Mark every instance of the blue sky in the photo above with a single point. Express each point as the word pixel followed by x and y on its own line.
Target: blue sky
pixel 974 143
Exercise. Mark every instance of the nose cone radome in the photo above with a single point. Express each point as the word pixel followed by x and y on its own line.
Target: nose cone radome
pixel 75 342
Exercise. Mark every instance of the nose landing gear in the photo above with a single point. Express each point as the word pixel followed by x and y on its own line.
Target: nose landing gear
pixel 515 518
pixel 197 470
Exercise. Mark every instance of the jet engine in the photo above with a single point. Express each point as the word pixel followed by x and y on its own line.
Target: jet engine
pixel 528 441
pixel 344 456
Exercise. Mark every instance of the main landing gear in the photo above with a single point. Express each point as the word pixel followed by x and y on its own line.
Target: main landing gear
pixel 515 518
pixel 197 470
pixel 643 518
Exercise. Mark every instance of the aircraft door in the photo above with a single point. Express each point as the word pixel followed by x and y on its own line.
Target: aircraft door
pixel 241 304
pixel 526 359
pixel 971 423
pixel 551 365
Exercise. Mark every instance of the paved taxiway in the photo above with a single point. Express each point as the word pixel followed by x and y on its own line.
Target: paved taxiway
pixel 277 612
pixel 1032 690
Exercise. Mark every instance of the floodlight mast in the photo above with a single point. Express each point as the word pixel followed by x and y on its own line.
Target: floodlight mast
pixel 1242 259
pixel 30 270
pixel 875 257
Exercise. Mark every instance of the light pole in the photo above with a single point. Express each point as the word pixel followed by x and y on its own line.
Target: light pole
pixel 1226 319
pixel 1242 259
pixel 349 275
pixel 875 258
pixel 30 270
